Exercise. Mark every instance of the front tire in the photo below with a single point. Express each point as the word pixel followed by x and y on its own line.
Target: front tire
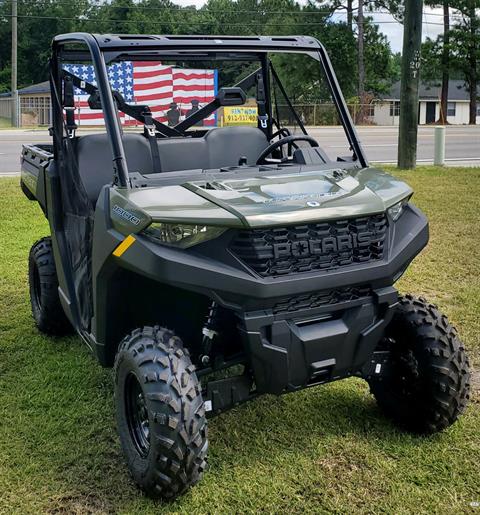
pixel 428 386
pixel 160 412
pixel 47 309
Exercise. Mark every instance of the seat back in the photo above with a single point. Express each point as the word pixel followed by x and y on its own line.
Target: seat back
pixel 94 157
pixel 182 154
pixel 228 144
pixel 219 147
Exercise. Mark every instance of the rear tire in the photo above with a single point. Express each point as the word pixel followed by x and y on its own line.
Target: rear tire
pixel 429 384
pixel 160 412
pixel 47 310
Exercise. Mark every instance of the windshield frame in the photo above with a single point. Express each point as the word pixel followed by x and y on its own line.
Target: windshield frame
pixel 104 49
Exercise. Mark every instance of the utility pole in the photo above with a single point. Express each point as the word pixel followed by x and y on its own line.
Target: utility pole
pixel 412 41
pixel 14 65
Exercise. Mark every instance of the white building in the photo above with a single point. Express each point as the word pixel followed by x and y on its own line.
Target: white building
pixel 387 108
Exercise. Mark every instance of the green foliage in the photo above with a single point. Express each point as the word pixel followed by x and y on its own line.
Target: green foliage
pixel 463 46
pixel 379 63
pixel 5 74
pixel 465 40
pixel 40 20
pixel 431 67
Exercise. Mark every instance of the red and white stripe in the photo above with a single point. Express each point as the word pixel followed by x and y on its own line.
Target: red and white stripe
pixel 153 86
pixel 157 86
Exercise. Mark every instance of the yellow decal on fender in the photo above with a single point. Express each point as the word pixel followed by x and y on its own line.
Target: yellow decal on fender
pixel 129 240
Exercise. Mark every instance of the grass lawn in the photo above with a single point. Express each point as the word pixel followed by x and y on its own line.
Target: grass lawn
pixel 327 449
pixel 5 123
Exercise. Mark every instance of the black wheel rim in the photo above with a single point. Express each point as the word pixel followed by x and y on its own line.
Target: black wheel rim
pixel 137 415
pixel 407 376
pixel 37 287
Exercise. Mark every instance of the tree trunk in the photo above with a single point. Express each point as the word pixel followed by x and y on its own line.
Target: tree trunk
pixel 473 64
pixel 361 61
pixel 350 14
pixel 445 63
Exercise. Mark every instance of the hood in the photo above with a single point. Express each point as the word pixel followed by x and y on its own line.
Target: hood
pixel 304 196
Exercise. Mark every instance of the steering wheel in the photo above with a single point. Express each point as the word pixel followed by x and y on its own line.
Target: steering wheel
pixel 289 140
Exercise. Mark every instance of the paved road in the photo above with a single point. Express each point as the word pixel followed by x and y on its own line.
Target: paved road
pixel 380 143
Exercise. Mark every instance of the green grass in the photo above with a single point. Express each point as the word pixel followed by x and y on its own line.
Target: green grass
pixel 327 449
pixel 5 123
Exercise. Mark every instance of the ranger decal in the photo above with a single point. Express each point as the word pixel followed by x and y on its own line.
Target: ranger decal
pixel 126 215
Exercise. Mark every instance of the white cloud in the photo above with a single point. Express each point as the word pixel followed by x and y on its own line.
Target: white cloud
pixel 188 3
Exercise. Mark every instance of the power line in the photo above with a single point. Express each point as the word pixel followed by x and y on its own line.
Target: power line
pixel 180 9
pixel 205 22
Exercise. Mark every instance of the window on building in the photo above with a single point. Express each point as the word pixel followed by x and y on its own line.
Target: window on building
pixel 394 108
pixel 371 110
pixel 451 109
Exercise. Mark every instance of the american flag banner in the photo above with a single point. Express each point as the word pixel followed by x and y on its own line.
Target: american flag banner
pixel 168 91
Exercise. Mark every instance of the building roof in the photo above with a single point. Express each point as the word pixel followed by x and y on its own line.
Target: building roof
pixel 41 87
pixel 432 90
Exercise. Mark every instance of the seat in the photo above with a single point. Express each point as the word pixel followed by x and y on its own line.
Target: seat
pixel 94 157
pixel 218 148
pixel 227 145
pixel 182 154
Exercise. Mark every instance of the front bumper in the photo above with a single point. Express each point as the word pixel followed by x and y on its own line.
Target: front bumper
pixel 210 268
pixel 289 352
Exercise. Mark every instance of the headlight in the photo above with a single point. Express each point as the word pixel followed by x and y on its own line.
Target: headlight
pixel 181 235
pixel 397 209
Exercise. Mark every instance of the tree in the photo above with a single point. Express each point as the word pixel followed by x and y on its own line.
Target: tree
pixel 40 20
pixel 361 55
pixel 395 7
pixel 445 57
pixel 340 5
pixel 343 5
pixel 465 48
pixel 382 68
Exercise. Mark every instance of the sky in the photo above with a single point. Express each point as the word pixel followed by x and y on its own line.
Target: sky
pixel 432 23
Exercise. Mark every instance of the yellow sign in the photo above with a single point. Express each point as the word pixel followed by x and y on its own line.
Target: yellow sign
pixel 240 115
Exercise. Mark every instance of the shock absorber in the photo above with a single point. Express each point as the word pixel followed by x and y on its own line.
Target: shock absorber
pixel 209 332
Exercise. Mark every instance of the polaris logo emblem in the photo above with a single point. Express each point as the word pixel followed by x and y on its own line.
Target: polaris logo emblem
pixel 126 215
pixel 328 245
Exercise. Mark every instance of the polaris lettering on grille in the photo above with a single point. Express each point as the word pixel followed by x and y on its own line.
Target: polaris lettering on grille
pixel 322 246
pixel 305 248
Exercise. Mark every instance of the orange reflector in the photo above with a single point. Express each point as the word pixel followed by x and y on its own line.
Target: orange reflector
pixel 129 240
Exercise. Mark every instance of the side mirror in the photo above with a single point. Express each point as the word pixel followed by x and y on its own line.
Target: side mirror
pixel 231 96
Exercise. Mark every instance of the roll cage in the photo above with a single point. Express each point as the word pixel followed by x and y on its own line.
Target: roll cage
pixel 102 49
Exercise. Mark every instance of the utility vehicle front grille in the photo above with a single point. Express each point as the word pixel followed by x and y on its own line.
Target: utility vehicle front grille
pixel 318 246
pixel 322 298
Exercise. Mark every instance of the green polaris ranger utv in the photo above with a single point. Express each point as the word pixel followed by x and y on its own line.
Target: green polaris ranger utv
pixel 210 250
